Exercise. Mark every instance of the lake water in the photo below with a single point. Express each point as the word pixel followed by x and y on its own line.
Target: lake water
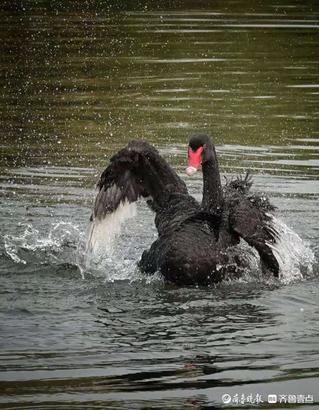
pixel 79 80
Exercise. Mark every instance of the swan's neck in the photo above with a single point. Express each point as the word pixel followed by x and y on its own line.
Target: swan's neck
pixel 212 192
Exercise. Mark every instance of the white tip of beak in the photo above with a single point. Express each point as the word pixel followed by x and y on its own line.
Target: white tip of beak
pixel 190 171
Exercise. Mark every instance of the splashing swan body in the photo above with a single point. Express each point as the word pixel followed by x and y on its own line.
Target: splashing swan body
pixel 197 243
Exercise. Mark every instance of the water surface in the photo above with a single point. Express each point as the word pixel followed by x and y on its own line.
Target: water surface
pixel 79 81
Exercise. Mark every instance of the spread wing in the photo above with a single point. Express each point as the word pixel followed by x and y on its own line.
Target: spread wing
pixel 119 183
pixel 135 171
pixel 251 221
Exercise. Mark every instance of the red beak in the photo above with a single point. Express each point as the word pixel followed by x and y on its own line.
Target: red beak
pixel 194 160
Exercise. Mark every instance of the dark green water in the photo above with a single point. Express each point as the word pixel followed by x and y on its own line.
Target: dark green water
pixel 80 79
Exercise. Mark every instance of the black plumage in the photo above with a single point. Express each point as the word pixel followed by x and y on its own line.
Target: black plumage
pixel 197 243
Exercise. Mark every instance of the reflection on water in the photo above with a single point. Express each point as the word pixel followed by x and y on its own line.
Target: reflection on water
pixel 79 80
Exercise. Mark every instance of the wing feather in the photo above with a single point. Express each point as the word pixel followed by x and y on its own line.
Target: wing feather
pixel 254 225
pixel 135 171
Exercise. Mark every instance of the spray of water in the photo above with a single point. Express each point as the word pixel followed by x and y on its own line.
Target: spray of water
pixel 102 232
pixel 101 237
pixel 58 245
pixel 296 258
pixel 99 251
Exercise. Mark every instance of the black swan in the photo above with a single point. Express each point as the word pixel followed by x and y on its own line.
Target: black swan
pixel 196 242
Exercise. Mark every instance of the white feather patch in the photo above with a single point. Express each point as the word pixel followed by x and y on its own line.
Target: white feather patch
pixel 102 232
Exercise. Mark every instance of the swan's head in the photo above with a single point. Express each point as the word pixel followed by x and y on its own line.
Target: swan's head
pixel 199 149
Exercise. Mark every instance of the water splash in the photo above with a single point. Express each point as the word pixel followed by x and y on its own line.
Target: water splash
pixel 110 249
pixel 102 232
pixel 56 246
pixel 296 258
pixel 99 251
